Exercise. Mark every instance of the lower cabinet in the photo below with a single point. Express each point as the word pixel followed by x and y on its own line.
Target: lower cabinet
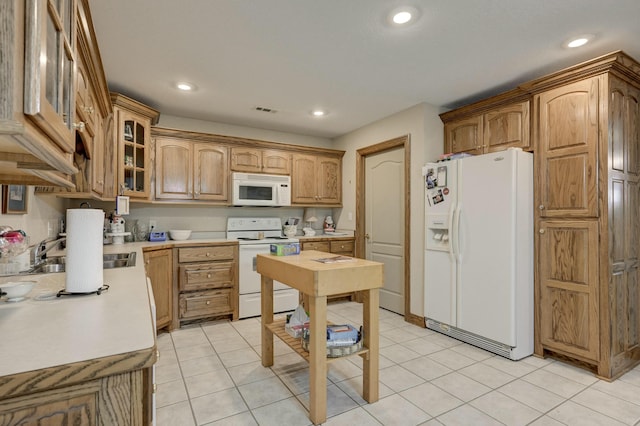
pixel 207 281
pixel 158 264
pixel 334 245
pixel 120 399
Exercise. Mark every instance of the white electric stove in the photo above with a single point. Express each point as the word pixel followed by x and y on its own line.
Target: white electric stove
pixel 255 236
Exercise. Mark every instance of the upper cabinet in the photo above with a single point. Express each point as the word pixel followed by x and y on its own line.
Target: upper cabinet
pixel 37 79
pixel 254 160
pixel 316 179
pixel 133 142
pixel 50 61
pixel 54 97
pixel 494 129
pixel 197 166
pixel 567 149
pixel 187 170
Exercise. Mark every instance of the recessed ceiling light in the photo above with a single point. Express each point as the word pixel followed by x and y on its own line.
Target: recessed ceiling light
pixel 579 41
pixel 186 87
pixel 318 113
pixel 404 15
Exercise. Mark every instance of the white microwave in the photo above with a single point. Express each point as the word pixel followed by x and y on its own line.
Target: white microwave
pixel 252 189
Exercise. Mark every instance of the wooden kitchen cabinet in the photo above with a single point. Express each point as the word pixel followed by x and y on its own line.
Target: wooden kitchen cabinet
pixel 587 193
pixel 254 160
pixel 188 170
pixel 92 119
pixel 568 301
pixel 40 107
pixel 132 121
pixel 117 399
pixel 207 281
pixel 316 179
pixel 567 149
pixel 495 129
pixel 159 268
pixel 317 174
pixel 50 39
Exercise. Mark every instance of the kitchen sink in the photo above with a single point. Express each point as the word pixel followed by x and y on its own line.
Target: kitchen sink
pixel 109 261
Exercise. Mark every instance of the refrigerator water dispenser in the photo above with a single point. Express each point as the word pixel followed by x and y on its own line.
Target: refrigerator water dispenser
pixel 438 232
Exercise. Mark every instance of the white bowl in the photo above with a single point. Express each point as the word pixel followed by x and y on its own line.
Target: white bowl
pixel 17 290
pixel 179 234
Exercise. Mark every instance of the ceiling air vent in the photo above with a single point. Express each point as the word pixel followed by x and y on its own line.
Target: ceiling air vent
pixel 264 109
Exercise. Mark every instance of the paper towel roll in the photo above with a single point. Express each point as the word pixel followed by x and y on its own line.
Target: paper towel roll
pixel 84 250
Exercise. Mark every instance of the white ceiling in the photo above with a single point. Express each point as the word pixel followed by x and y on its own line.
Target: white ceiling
pixel 297 55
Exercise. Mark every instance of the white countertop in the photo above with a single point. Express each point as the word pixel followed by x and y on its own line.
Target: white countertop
pixel 45 331
pixel 37 334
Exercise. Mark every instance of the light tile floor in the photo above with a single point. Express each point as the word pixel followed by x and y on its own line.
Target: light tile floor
pixel 210 374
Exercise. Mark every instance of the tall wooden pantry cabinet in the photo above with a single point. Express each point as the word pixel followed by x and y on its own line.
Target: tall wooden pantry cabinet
pixel 586 133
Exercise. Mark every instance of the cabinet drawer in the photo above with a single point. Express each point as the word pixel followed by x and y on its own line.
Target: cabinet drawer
pixel 206 276
pixel 342 247
pixel 206 303
pixel 319 245
pixel 202 254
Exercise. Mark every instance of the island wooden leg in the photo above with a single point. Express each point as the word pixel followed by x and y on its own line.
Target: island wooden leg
pixel 266 304
pixel 371 339
pixel 318 359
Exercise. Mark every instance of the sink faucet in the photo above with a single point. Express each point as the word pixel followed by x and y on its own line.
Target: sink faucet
pixel 39 251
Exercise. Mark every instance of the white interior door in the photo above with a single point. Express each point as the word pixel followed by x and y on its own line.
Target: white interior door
pixel 384 222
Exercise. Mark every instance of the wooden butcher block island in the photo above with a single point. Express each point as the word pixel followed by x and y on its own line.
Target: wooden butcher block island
pixel 316 281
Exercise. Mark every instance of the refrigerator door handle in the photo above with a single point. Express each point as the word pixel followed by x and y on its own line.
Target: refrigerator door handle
pixel 451 232
pixel 455 229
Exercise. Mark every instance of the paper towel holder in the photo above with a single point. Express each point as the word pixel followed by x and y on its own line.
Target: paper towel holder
pixel 99 291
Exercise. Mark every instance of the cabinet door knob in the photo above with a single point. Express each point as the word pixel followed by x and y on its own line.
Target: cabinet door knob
pixel 541 207
pixel 367 236
pixel 541 231
pixel 208 302
pixel 208 275
pixel 208 254
pixel 88 109
pixel 79 126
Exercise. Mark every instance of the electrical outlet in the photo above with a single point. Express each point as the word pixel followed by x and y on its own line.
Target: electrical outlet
pixel 152 225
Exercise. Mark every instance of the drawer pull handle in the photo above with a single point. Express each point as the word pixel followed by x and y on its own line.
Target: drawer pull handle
pixel 208 275
pixel 208 302
pixel 208 254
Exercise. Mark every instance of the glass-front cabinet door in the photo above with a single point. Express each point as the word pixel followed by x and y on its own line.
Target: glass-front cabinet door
pixel 132 126
pixel 134 140
pixel 50 34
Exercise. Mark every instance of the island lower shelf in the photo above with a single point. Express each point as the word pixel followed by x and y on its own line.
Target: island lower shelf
pixel 295 343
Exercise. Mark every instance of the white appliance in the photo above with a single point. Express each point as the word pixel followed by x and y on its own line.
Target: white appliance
pixel 479 250
pixel 251 189
pixel 255 236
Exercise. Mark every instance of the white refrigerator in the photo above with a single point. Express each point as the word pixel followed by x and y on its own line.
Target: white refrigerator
pixel 479 250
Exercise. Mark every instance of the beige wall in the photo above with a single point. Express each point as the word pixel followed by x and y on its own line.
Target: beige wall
pixel 182 123
pixel 423 125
